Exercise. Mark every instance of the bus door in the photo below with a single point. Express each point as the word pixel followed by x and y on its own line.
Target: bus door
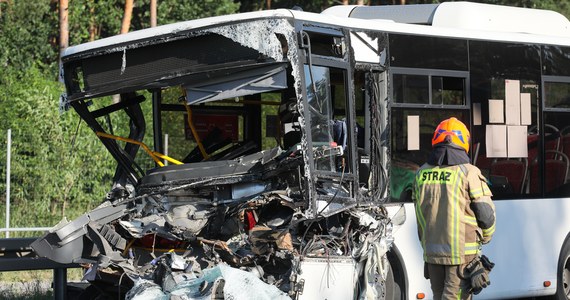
pixel 328 113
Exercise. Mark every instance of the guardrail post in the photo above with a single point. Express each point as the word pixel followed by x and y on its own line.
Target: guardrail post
pixel 8 159
pixel 60 283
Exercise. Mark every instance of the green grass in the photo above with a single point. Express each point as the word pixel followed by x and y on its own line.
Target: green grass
pixel 35 289
pixel 41 275
pixel 35 284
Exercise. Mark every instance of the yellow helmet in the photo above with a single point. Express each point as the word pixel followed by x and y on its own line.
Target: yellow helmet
pixel 455 130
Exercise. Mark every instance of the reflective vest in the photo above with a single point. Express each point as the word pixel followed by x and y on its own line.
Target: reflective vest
pixel 454 212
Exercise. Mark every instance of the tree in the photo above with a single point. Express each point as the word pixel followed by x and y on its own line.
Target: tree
pixel 152 13
pixel 63 26
pixel 127 16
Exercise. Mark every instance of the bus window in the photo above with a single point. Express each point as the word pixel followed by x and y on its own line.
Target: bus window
pixel 326 96
pixel 509 170
pixel 557 139
pixel 430 96
pixel 222 129
pixel 411 89
pixel 448 90
pixel 406 162
pixel 506 133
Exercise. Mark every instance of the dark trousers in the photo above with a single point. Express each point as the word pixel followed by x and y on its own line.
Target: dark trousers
pixel 446 282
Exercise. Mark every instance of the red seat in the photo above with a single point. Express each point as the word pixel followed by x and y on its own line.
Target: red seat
pixel 552 141
pixel 514 170
pixel 556 172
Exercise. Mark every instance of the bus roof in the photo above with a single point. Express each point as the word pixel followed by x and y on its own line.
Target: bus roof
pixel 160 32
pixel 465 15
pixel 449 19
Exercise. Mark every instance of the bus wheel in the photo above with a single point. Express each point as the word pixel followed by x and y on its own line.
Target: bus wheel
pixel 563 288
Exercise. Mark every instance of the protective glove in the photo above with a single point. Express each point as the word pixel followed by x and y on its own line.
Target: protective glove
pixel 487 263
pixel 479 279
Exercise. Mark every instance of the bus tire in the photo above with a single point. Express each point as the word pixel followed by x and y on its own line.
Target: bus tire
pixel 563 274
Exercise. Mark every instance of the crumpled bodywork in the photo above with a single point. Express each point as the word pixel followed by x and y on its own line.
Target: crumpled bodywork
pixel 290 221
pixel 172 239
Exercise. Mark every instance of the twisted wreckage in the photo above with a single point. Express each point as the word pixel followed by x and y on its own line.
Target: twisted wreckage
pixel 261 176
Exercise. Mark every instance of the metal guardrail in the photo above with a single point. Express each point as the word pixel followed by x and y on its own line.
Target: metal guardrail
pixel 17 255
pixel 24 229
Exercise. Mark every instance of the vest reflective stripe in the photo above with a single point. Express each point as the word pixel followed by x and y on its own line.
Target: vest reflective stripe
pixel 470 220
pixel 421 219
pixel 471 248
pixel 480 192
pixel 455 250
pixel 438 249
pixel 476 193
pixel 422 224
pixel 489 231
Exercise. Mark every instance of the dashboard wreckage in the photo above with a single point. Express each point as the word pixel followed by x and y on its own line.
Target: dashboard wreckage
pixel 247 162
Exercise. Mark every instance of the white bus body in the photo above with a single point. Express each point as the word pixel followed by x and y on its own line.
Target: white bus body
pixel 531 233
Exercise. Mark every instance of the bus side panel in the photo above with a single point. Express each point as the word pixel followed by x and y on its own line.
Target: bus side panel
pixel 406 239
pixel 525 248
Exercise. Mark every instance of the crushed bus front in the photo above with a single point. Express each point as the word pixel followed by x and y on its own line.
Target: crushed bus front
pixel 242 165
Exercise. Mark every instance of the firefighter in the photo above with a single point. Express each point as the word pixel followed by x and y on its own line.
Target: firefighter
pixel 455 215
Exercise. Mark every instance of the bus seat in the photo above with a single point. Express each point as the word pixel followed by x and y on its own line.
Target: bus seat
pixel 565 142
pixel 481 160
pixel 214 141
pixel 556 172
pixel 552 141
pixel 515 170
pixel 484 164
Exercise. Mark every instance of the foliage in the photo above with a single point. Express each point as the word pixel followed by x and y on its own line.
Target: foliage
pixel 106 15
pixel 28 34
pixel 53 171
pixel 56 172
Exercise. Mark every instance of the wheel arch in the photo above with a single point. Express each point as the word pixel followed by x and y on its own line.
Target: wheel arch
pixel 399 270
pixel 562 256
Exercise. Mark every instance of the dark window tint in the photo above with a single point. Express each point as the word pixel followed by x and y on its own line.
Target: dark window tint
pixel 428 52
pixel 557 94
pixel 556 60
pixel 504 60
pixel 448 90
pixel 411 89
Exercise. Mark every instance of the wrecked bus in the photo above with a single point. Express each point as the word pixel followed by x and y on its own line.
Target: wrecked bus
pixel 275 151
pixel 250 159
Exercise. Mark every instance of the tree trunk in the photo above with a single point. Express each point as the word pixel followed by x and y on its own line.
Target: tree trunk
pixel 63 26
pixel 127 16
pixel 92 24
pixel 360 2
pixel 153 13
pixel 268 3
pixel 344 2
